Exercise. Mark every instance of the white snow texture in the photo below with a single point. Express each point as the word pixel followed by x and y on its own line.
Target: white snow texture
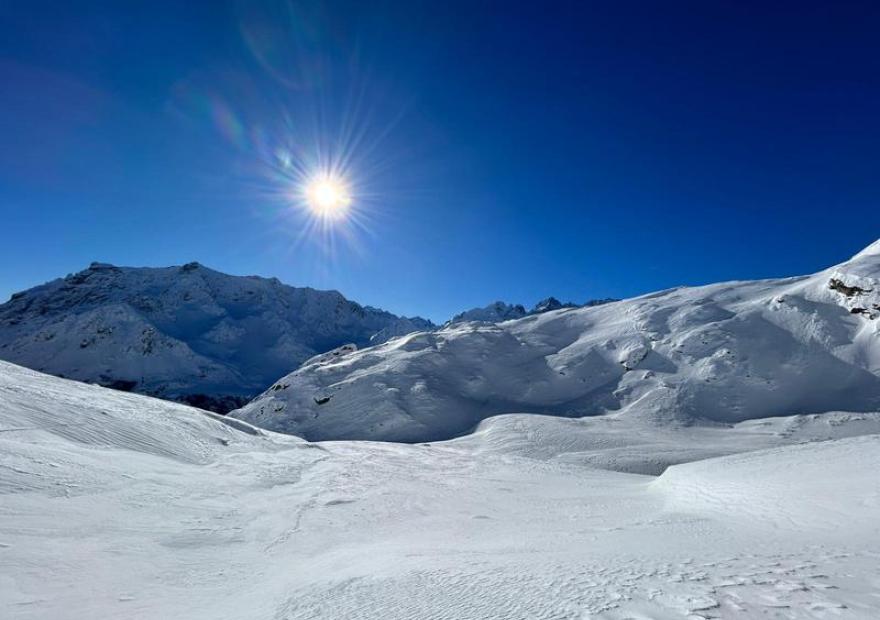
pixel 732 473
pixel 116 505
pixel 722 353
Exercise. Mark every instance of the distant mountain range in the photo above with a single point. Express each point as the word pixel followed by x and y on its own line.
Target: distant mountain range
pixel 185 333
pixel 500 311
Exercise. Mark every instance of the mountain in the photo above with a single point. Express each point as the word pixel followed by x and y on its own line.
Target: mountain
pixel 186 333
pixel 721 353
pixel 551 303
pixel 401 327
pixel 117 505
pixel 499 311
pixel 493 313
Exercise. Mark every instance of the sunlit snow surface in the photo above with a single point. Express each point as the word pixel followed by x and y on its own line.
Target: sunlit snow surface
pixel 114 505
pixel 722 353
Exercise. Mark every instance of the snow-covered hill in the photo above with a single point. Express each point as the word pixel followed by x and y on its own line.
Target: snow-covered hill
pixel 186 333
pixel 116 505
pixel 721 353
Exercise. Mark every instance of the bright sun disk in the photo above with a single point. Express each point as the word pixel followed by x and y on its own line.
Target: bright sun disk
pixel 328 197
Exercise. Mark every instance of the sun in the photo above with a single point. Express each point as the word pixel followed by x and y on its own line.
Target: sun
pixel 328 197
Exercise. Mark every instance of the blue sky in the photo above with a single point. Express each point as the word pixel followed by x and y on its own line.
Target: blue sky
pixel 495 150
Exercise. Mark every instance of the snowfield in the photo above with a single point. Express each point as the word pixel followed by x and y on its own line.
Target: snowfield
pixel 115 505
pixel 722 353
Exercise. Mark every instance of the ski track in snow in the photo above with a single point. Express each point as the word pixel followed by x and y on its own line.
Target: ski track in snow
pixel 119 506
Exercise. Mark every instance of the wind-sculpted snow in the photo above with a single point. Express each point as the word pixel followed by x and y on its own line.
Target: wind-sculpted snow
pixel 810 486
pixel 625 443
pixel 186 333
pixel 115 505
pixel 48 410
pixel 722 353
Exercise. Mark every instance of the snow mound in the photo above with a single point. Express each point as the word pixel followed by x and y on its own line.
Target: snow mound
pixel 626 444
pixel 50 412
pixel 804 487
pixel 722 353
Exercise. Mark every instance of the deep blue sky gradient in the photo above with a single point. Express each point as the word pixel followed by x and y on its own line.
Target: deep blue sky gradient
pixel 506 150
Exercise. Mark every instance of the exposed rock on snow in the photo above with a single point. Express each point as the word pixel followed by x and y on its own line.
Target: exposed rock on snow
pixel 187 333
pixel 722 353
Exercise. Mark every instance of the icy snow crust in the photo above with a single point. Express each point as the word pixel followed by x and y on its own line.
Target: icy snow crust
pixel 115 505
pixel 723 353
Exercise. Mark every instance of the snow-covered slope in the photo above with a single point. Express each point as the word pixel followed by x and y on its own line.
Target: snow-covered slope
pixel 116 505
pixel 807 487
pixel 619 442
pixel 722 353
pixel 187 333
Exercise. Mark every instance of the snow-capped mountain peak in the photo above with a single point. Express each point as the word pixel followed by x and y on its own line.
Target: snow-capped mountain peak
pixel 499 311
pixel 186 332
pixel 495 312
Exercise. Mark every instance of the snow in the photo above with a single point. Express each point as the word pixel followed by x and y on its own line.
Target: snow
pixel 717 354
pixel 705 452
pixel 115 505
pixel 871 250
pixel 626 444
pixel 808 487
pixel 186 333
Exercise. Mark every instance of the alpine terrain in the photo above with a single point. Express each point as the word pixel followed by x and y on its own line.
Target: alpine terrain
pixel 185 333
pixel 717 354
pixel 116 505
